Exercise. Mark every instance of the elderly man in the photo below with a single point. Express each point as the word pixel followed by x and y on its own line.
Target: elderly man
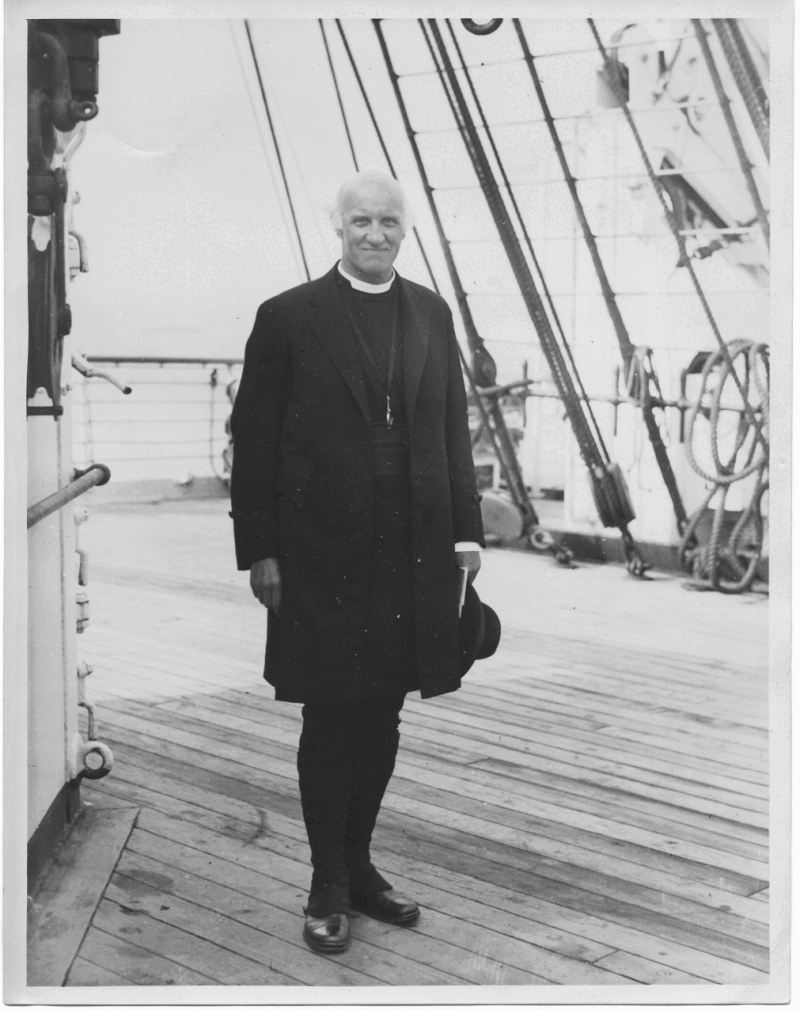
pixel 354 506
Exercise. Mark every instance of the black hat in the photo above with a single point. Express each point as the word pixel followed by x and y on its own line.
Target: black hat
pixel 479 630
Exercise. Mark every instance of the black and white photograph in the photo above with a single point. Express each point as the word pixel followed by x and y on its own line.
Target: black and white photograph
pixel 393 612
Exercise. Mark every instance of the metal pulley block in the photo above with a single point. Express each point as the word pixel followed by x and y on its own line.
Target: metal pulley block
pixel 82 605
pixel 611 496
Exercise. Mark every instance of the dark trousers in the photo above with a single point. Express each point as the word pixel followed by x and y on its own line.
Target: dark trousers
pixel 345 760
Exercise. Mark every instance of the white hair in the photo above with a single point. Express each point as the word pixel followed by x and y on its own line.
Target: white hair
pixel 376 178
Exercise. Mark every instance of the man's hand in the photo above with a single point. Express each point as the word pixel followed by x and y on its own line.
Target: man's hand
pixel 471 560
pixel 265 581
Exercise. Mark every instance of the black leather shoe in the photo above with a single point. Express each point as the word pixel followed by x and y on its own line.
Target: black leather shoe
pixel 327 934
pixel 388 906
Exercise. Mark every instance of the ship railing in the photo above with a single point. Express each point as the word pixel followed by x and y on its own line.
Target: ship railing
pixel 172 426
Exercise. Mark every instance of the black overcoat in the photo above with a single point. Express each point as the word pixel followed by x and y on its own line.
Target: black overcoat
pixel 302 484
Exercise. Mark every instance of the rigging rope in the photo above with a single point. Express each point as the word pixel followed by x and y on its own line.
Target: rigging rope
pixel 549 56
pixel 365 96
pixel 728 561
pixel 747 78
pixel 501 441
pixel 338 92
pixel 725 103
pixel 610 494
pixel 626 345
pixel 263 139
pixel 384 148
pixel 684 258
pixel 526 236
pixel 631 355
pixel 277 147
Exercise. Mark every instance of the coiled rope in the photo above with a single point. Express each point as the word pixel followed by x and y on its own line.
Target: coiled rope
pixel 728 562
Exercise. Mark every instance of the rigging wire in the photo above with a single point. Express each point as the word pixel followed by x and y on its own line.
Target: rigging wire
pixel 382 142
pixel 390 163
pixel 725 102
pixel 338 92
pixel 747 78
pixel 365 96
pixel 547 56
pixel 300 174
pixel 526 236
pixel 685 259
pixel 705 232
pixel 660 173
pixel 459 118
pixel 589 116
pixel 277 147
pixel 501 442
pixel 626 345
pixel 473 337
pixel 634 369
pixel 611 496
pixel 262 138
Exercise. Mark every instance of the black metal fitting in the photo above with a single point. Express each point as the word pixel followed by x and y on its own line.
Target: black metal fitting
pixel 78 40
pixel 104 479
pixel 52 411
pixel 40 152
pixel 53 67
pixel 485 28
pixel 62 88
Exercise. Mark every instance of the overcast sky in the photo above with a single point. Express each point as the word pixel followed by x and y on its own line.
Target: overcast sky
pixel 186 221
pixel 182 206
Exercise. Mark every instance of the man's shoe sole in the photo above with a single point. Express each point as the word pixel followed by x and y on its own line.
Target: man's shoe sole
pixel 320 947
pixel 399 920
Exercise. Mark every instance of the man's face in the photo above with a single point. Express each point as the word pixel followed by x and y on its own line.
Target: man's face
pixel 371 233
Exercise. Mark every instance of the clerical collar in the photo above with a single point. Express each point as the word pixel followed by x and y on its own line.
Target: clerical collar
pixel 372 289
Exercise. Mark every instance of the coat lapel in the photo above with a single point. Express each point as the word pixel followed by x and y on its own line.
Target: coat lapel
pixel 416 328
pixel 332 328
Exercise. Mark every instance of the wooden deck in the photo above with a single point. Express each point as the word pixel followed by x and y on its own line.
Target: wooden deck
pixel 590 808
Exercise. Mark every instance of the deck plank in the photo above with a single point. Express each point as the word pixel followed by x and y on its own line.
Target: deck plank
pixel 132 963
pixel 591 808
pixel 84 973
pixel 164 814
pixel 484 940
pixel 650 849
pixel 219 715
pixel 269 924
pixel 186 948
pixel 524 840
